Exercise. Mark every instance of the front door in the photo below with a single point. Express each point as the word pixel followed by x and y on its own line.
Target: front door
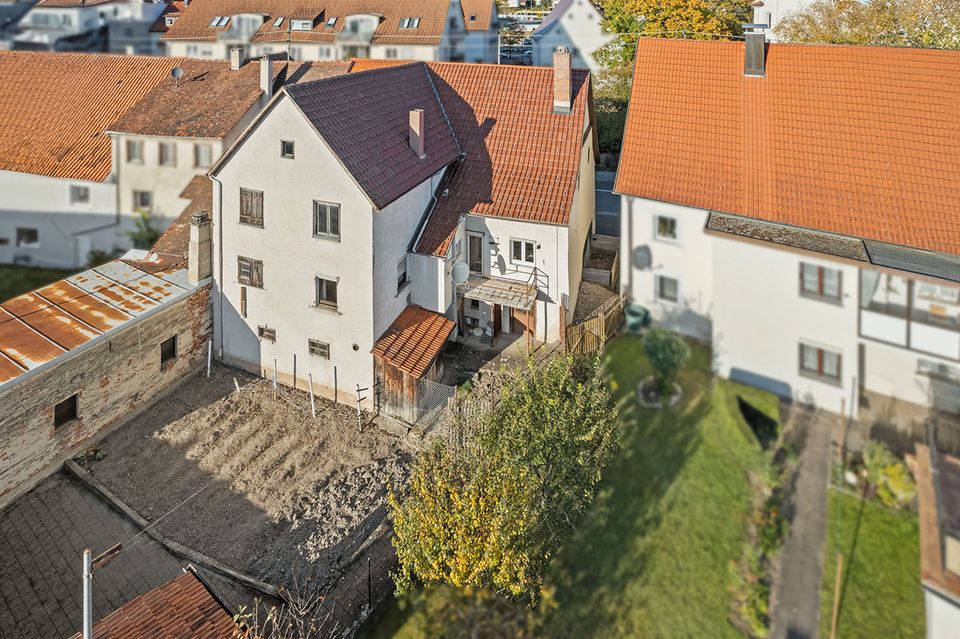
pixel 475 252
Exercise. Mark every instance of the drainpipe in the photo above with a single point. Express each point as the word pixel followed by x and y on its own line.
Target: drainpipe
pixel 219 222
pixel 87 595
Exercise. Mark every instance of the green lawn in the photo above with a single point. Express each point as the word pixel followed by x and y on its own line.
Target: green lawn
pixel 881 594
pixel 653 556
pixel 15 280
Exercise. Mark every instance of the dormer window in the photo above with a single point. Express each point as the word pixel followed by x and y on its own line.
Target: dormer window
pixel 301 25
pixel 410 23
pixel 278 22
pixel 331 21
pixel 169 20
pixel 220 21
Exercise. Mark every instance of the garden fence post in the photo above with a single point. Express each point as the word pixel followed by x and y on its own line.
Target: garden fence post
pixel 313 406
pixel 209 356
pixel 274 378
pixel 836 597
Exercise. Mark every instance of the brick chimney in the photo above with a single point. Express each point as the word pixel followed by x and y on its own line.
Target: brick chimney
pixel 266 76
pixel 562 80
pixel 417 133
pixel 236 58
pixel 200 250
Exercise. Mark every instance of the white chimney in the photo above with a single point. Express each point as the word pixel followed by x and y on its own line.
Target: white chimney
pixel 236 59
pixel 266 76
pixel 199 249
pixel 562 80
pixel 417 133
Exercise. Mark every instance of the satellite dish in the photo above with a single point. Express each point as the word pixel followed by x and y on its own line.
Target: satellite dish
pixel 460 272
pixel 642 258
pixel 177 73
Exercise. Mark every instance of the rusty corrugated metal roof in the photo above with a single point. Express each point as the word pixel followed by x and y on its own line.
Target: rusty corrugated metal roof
pixel 38 327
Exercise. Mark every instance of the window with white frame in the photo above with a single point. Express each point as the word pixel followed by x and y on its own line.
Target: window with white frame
pixel 326 220
pixel 79 194
pixel 278 22
pixel 202 156
pixel 168 154
pixel 666 227
pixel 522 251
pixel 820 363
pixel 668 288
pixel 820 282
pixel 301 25
pixel 135 151
pixel 318 348
pixel 326 292
pixel 143 201
pixel 402 273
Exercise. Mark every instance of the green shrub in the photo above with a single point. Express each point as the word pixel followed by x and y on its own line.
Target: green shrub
pixel 667 354
pixel 895 487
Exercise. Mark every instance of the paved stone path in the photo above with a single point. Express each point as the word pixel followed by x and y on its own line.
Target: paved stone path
pixel 796 614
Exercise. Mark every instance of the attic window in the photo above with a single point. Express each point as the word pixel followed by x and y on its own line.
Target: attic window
pixel 278 22
pixel 220 21
pixel 332 21
pixel 169 20
pixel 473 18
pixel 410 23
pixel 301 25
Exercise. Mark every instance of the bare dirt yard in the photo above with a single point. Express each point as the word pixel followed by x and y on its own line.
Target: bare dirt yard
pixel 591 297
pixel 254 480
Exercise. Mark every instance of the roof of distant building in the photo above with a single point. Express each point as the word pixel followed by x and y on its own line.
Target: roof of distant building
pixel 938 517
pixel 855 141
pixel 478 15
pixel 555 14
pixel 71 4
pixel 172 10
pixel 175 241
pixel 182 607
pixel 54 108
pixel 196 19
pixel 414 340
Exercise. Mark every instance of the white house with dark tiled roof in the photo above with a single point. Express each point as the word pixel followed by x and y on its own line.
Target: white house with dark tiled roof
pixel 351 199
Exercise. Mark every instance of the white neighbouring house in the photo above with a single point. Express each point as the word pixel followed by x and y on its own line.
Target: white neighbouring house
pixel 331 30
pixel 772 12
pixel 574 24
pixel 341 211
pixel 798 219
pixel 89 25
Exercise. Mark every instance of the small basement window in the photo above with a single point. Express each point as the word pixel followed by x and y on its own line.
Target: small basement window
pixel 318 348
pixel 168 350
pixel 66 411
pixel 267 333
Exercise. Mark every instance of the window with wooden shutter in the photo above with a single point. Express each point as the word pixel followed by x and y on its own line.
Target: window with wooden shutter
pixel 267 333
pixel 251 207
pixel 318 348
pixel 250 272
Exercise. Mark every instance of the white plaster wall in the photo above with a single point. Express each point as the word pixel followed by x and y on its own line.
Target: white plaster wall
pixel 760 318
pixel 581 220
pixel 66 231
pixel 427 279
pixel 292 257
pixel 688 259
pixel 579 30
pixel 200 49
pixel 943 616
pixel 773 11
pixel 893 371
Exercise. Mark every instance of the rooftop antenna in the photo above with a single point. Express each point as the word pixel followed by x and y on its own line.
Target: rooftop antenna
pixel 177 73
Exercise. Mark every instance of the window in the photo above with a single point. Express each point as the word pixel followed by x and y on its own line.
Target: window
pixel 168 154
pixel 331 21
pixel 666 227
pixel 410 23
pixel 243 302
pixel 202 156
pixel 473 18
pixel 250 272
pixel 521 252
pixel 402 273
pixel 318 348
pixel 326 292
pixel 169 20
pixel 475 304
pixel 820 282
pixel 220 21
pixel 168 350
pixel 326 220
pixel 66 411
pixel 819 363
pixel 79 194
pixel 939 370
pixel 390 53
pixel 475 252
pixel 301 25
pixel 286 149
pixel 143 201
pixel 135 151
pixel 28 237
pixel 668 288
pixel 278 22
pixel 267 333
pixel 251 207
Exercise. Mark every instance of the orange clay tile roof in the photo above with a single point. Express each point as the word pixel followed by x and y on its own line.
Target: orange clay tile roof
pixel 932 570
pixel 858 141
pixel 482 10
pixel 521 159
pixel 414 340
pixel 179 608
pixel 54 108
pixel 194 22
pixel 208 102
pixel 172 10
pixel 364 118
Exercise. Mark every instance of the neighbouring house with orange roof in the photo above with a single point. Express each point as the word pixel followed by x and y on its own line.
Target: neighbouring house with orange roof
pixel 483 29
pixel 332 29
pixel 796 205
pixel 363 220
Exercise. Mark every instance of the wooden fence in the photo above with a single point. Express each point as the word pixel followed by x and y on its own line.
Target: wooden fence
pixel 590 335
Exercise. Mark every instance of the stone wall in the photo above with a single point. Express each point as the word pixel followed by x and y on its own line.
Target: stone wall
pixel 115 379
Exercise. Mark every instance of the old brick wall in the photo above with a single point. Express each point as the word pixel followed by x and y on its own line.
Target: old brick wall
pixel 115 379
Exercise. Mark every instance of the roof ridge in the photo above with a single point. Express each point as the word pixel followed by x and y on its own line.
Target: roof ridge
pixel 443 109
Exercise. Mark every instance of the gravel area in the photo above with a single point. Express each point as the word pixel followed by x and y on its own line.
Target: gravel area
pixel 590 297
pixel 269 490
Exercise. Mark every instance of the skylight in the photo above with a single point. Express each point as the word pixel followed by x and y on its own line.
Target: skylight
pixel 410 23
pixel 332 21
pixel 278 22
pixel 220 21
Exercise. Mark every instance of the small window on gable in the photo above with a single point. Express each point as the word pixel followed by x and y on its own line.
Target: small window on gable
pixel 473 18
pixel 267 333
pixel 286 149
pixel 168 350
pixel 79 194
pixel 332 21
pixel 66 411
pixel 318 348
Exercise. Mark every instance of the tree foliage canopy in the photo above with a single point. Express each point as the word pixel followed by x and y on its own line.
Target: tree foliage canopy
pixel 897 23
pixel 492 513
pixel 667 354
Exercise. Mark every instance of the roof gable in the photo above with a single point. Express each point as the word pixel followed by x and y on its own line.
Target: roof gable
pixel 857 141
